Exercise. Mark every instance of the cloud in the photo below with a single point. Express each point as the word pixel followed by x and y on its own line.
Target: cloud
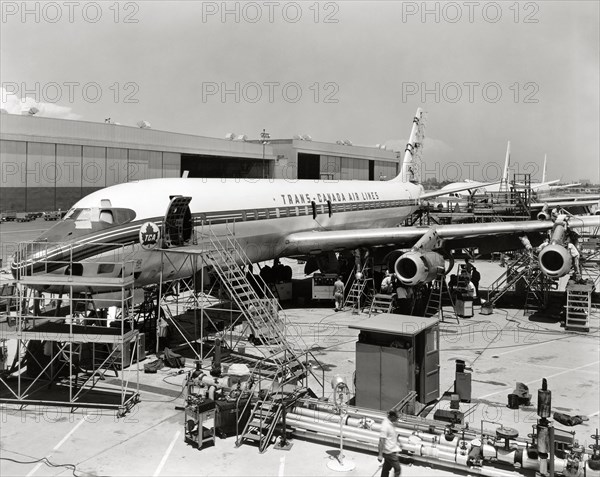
pixel 13 104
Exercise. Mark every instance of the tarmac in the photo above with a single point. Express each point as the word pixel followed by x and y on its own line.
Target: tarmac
pixel 502 349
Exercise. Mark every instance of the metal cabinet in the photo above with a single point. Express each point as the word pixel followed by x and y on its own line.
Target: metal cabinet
pixel 396 354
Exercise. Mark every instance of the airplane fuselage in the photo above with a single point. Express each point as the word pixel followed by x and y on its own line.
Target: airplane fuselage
pixel 261 213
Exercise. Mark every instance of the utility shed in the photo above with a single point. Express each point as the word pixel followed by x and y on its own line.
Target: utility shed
pixel 396 354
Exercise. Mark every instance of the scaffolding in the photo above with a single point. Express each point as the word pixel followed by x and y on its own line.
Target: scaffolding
pixel 512 203
pixel 65 345
pixel 589 246
pixel 279 362
pixel 522 274
pixel 228 304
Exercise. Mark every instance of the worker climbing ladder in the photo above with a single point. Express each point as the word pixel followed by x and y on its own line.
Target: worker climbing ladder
pixel 357 297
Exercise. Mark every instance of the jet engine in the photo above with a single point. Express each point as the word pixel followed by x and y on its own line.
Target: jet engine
pixel 414 267
pixel 543 214
pixel 555 260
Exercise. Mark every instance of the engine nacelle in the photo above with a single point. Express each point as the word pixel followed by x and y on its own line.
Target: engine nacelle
pixel 543 215
pixel 414 268
pixel 555 261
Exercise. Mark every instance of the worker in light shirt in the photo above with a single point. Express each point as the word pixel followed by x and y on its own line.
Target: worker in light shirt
pixel 388 445
pixel 572 248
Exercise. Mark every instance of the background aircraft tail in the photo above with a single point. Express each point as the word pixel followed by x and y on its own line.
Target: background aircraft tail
pixel 409 169
pixel 544 170
pixel 505 178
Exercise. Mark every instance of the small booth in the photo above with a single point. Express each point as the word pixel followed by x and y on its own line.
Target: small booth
pixel 396 354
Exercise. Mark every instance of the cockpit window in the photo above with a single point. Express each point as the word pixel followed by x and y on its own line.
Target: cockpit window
pixel 106 216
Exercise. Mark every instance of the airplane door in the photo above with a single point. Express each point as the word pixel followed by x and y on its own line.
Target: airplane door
pixel 430 366
pixel 177 224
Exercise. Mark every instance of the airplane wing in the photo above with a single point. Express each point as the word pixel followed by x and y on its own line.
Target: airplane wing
pixel 542 184
pixel 462 235
pixel 570 200
pixel 474 185
pixel 565 186
pixel 563 203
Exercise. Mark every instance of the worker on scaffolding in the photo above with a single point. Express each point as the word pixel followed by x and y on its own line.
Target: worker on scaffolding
pixel 572 248
pixel 541 246
pixel 527 245
pixel 386 283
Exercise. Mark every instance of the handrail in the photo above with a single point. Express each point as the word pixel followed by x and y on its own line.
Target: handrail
pixel 232 254
pixel 55 255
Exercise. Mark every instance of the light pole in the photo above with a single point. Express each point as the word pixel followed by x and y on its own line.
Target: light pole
pixel 340 398
pixel 265 136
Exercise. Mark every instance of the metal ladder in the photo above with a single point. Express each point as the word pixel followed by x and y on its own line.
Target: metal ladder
pixel 261 423
pixel 538 286
pixel 579 306
pixel 382 303
pixel 357 290
pixel 262 314
pixel 435 303
pixel 511 276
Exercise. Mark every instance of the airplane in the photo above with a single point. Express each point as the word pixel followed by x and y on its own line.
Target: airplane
pixel 271 218
pixel 461 198
pixel 548 186
pixel 478 187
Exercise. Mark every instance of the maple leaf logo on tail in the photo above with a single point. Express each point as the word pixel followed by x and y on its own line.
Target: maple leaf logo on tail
pixel 149 235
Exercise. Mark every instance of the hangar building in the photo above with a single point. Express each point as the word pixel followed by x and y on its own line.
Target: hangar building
pixel 48 164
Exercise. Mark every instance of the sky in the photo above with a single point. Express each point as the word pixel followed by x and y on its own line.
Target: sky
pixel 484 72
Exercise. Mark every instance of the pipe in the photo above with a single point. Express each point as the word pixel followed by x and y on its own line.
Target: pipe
pixel 419 444
pixel 323 432
pixel 426 425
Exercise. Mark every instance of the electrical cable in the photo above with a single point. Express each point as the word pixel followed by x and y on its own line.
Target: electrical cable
pixel 167 400
pixel 45 460
pixel 435 403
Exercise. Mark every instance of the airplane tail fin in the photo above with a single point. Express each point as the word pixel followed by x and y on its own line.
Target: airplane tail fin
pixel 544 170
pixel 412 153
pixel 505 172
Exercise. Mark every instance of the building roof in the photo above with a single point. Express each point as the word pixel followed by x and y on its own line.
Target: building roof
pixel 394 324
pixel 87 133
pixel 67 131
